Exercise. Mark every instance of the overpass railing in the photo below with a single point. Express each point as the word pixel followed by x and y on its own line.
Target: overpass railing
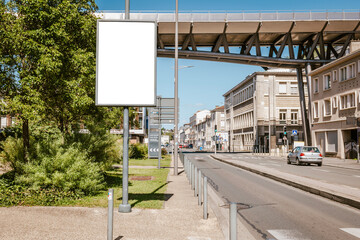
pixel 233 16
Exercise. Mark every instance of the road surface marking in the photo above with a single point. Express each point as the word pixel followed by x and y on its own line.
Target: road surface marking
pixel 283 234
pixel 353 231
pixel 272 164
pixel 356 176
pixel 321 170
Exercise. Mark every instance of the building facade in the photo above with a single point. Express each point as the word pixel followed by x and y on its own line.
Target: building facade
pixel 216 118
pixel 197 129
pixel 335 101
pixel 263 101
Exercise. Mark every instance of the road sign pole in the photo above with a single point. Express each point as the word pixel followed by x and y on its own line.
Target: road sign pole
pixel 125 207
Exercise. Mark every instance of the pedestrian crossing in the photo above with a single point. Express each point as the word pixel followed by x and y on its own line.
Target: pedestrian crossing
pixel 353 231
pixel 288 234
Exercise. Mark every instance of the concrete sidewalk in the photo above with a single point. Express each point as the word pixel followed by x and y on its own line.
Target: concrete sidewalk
pixel 180 219
pixel 339 193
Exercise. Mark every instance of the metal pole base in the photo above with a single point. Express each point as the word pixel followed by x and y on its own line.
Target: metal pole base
pixel 124 208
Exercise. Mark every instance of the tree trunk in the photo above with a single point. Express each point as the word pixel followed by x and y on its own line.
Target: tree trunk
pixel 26 137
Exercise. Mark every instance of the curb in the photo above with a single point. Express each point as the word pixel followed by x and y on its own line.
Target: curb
pixel 322 193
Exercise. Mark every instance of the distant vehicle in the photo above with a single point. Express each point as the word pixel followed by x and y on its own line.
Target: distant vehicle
pixel 190 145
pixel 306 155
pixel 180 146
pixel 186 145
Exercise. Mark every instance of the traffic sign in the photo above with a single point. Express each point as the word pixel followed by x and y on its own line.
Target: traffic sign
pixel 294 132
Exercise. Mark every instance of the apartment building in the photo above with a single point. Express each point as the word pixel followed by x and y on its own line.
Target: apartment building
pixel 216 118
pixel 263 101
pixel 197 128
pixel 335 100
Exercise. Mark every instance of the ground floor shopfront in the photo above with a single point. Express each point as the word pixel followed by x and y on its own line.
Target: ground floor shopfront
pixel 341 143
pixel 337 138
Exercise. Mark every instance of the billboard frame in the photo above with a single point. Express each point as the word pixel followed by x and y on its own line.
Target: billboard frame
pixel 127 104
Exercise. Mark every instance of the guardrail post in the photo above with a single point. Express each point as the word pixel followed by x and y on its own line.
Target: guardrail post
pixel 199 195
pixel 190 171
pixel 195 182
pixel 205 207
pixel 232 214
pixel 110 214
pixel 192 176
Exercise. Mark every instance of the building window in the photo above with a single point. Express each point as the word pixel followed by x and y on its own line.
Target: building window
pixel 282 88
pixel 294 116
pixel 334 75
pixel 359 66
pixel 347 72
pixel 316 110
pixel 3 121
pixel 347 101
pixel 343 75
pixel 327 82
pixel 282 116
pixel 351 70
pixel 335 102
pixel 294 89
pixel 316 85
pixel 327 107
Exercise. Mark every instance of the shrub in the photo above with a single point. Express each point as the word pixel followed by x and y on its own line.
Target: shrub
pixel 13 153
pixel 104 148
pixel 68 169
pixel 12 194
pixel 163 151
pixel 138 151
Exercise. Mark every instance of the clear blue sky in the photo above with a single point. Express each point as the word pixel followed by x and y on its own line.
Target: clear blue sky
pixel 202 86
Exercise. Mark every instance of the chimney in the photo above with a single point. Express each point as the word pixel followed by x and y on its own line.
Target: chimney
pixel 354 45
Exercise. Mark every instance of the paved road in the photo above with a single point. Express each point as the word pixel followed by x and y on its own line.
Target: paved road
pixel 340 176
pixel 272 210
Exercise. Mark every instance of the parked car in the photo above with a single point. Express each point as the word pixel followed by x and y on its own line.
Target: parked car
pixel 306 155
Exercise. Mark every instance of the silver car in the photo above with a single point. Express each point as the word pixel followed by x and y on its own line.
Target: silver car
pixel 305 154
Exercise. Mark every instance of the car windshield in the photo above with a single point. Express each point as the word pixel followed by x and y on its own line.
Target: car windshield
pixel 310 149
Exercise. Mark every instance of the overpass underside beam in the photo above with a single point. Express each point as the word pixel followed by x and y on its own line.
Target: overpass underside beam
pixel 290 49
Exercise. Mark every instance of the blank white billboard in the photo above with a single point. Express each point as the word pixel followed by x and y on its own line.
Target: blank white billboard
pixel 126 63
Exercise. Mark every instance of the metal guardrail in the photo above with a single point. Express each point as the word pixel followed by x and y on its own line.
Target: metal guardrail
pixel 234 16
pixel 199 183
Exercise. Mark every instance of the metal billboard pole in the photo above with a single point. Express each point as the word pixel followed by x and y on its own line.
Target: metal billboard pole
pixel 125 207
pixel 176 88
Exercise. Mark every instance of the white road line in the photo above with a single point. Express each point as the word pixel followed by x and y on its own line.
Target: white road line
pixel 272 164
pixel 284 234
pixel 321 170
pixel 356 176
pixel 353 231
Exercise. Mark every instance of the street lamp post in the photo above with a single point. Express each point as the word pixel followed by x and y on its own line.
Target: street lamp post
pixel 176 88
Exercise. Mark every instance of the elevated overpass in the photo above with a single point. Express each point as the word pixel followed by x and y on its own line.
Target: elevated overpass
pixel 268 39
pixel 282 39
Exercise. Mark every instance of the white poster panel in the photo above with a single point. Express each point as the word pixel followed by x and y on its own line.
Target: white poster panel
pixel 126 63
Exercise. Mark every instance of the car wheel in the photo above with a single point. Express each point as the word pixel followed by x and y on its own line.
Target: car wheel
pixel 297 161
pixel 319 164
pixel 288 161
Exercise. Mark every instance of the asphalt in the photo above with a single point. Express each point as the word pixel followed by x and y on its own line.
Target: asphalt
pixel 181 218
pixel 339 193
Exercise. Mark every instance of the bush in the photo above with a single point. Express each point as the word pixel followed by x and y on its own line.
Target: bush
pixel 67 169
pixel 164 151
pixel 13 153
pixel 12 194
pixel 138 151
pixel 104 149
